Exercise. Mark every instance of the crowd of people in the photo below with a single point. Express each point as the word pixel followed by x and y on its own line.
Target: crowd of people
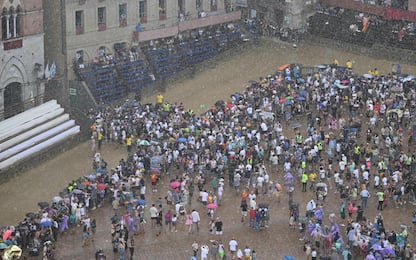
pixel 327 129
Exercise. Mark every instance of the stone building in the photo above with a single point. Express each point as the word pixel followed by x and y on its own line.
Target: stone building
pixel 22 56
pixel 87 29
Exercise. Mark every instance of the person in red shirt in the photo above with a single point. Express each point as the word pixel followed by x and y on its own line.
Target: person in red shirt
pixel 252 214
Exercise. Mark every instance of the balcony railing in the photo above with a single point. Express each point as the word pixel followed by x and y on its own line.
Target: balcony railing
pixel 123 22
pixel 79 30
pixel 102 26
pixel 13 43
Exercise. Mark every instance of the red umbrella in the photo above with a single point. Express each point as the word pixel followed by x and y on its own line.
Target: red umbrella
pixel 101 186
pixel 283 67
pixel 212 206
pixel 175 184
pixel 282 100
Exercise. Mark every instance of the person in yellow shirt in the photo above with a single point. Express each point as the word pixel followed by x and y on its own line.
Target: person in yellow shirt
pixel 129 141
pixel 348 64
pixel 376 72
pixel 159 99
pixel 312 179
pixel 336 63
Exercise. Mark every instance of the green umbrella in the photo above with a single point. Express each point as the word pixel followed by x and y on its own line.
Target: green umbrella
pixel 289 98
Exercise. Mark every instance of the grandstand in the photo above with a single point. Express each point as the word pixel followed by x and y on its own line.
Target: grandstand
pixel 112 80
pixel 34 131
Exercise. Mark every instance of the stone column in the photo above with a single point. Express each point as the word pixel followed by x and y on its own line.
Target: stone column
pixel 1 104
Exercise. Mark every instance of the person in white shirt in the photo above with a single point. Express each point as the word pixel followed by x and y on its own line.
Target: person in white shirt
pixel 233 245
pixel 195 220
pixel 204 252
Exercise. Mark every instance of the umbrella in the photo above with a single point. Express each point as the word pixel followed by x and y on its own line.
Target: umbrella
pixel 408 78
pixel 296 126
pixel 212 206
pixel 341 86
pixel 282 100
pixel 12 252
pixel 368 76
pixel 321 66
pixel 220 103
pixel 143 143
pixel 77 191
pixel 174 184
pixel 321 184
pixel 181 140
pixel 283 67
pixel 303 93
pixel 81 186
pixel 101 186
pixel 289 98
pixel 46 223
pixel 43 204
pixel 30 215
pixel 345 81
pixel 3 246
pixel 141 202
pixel 300 98
pixel 289 102
pixel 57 199
pixel 91 176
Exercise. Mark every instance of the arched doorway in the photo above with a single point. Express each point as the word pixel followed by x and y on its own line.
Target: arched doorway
pixel 13 104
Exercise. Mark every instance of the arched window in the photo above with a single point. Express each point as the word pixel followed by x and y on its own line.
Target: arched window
pixel 11 22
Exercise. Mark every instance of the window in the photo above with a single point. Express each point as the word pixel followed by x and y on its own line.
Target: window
pixel 79 22
pixel 198 4
pixel 143 11
pixel 162 9
pixel 101 19
pixel 11 20
pixel 122 14
pixel 213 5
pixel 181 6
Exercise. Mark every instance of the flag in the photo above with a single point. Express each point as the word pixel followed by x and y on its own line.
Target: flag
pixel 52 71
pixel 47 71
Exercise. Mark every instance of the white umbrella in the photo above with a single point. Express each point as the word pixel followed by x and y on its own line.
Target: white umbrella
pixel 368 76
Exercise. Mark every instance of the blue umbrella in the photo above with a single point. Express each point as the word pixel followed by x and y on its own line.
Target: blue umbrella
pixel 91 176
pixel 300 98
pixel 289 102
pixel 181 140
pixel 141 202
pixel 303 93
pixel 46 224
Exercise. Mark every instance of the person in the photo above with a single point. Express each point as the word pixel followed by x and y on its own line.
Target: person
pixel 204 252
pixel 218 227
pixel 174 222
pixel 85 234
pixel 195 248
pixel 188 222
pixel 195 220
pixel 247 253
pixel 244 208
pixel 153 214
pixel 168 219
pixel 131 248
pixel 380 196
pixel 233 245
pixel 365 194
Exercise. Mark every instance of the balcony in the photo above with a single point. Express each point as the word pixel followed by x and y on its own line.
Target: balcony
pixel 79 30
pixel 13 43
pixel 102 26
pixel 123 22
